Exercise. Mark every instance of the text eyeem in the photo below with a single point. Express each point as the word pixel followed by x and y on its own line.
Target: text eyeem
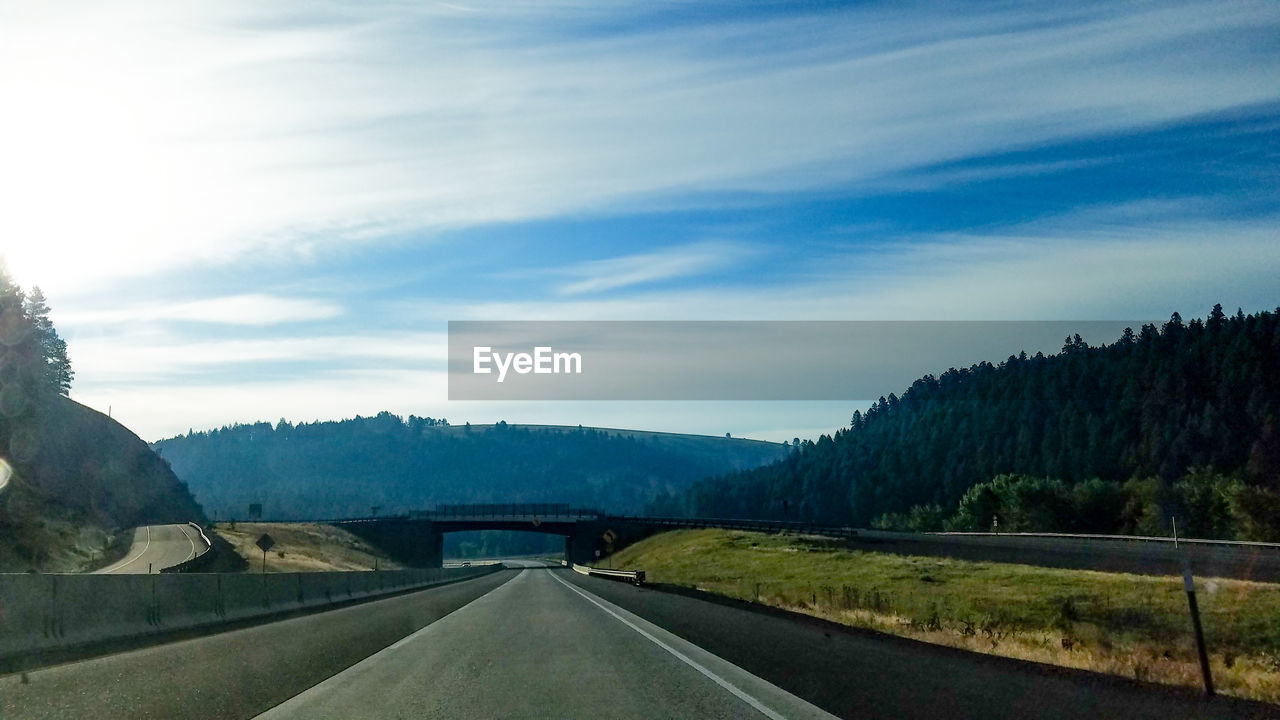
pixel 541 362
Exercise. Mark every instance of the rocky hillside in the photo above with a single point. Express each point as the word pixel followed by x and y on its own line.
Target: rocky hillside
pixel 78 479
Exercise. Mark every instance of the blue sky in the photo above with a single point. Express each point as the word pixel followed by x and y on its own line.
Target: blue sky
pixel 245 211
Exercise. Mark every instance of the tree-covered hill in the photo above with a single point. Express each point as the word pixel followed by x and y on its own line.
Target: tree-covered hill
pixel 343 468
pixel 1177 420
pixel 70 477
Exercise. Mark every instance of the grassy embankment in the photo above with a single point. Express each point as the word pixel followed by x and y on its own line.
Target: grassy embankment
pixel 304 547
pixel 1130 625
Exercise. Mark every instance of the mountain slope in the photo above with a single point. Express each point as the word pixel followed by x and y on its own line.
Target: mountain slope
pixel 79 477
pixel 1186 417
pixel 336 469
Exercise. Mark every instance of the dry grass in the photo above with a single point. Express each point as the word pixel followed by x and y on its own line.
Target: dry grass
pixel 304 547
pixel 56 545
pixel 1131 625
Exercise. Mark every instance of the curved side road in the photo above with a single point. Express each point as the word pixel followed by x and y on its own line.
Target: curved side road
pixel 235 674
pixel 159 546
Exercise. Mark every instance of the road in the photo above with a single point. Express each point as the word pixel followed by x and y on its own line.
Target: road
pixel 540 647
pixel 159 546
pixel 537 643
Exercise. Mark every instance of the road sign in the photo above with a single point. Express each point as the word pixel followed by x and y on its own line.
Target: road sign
pixel 537 521
pixel 609 536
pixel 266 542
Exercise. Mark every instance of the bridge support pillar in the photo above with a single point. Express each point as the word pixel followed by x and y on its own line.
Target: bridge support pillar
pixel 433 549
pixel 580 546
pixel 416 543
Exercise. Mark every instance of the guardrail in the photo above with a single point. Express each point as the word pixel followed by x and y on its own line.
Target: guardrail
pixel 471 563
pixel 741 524
pixel 51 612
pixel 200 561
pixel 1117 538
pixel 503 510
pixel 635 577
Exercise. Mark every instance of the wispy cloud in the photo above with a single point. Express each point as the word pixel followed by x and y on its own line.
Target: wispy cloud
pixel 145 136
pixel 1115 263
pixel 153 356
pixel 595 276
pixel 209 189
pixel 244 309
pixel 1118 263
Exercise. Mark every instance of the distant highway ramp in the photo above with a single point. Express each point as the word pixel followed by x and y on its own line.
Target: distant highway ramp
pixel 156 547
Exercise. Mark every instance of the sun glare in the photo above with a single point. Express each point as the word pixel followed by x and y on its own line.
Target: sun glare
pixel 100 158
pixel 82 163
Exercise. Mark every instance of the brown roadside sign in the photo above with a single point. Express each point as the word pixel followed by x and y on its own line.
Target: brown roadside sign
pixel 266 542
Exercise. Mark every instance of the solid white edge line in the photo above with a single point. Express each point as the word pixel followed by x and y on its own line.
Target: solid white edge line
pixel 126 563
pixel 678 655
pixel 187 535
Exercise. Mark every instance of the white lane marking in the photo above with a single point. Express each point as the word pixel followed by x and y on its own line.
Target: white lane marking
pixel 187 535
pixel 126 563
pixel 679 655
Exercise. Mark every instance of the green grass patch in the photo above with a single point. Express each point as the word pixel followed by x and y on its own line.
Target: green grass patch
pixel 1125 624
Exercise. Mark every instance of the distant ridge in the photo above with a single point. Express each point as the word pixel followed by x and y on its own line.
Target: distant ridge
pixel 345 468
pixel 627 432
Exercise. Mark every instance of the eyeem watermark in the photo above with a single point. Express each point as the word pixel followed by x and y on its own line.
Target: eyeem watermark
pixel 734 360
pixel 543 361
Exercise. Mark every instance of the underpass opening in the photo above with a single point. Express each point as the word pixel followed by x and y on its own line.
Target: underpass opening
pixel 488 544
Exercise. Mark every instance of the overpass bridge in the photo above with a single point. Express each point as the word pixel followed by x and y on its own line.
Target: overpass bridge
pixel 418 537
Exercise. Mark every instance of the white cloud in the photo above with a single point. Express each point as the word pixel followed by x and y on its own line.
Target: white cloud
pixel 139 137
pixel 144 136
pixel 594 276
pixel 147 409
pixel 143 357
pixel 245 309
pixel 1116 263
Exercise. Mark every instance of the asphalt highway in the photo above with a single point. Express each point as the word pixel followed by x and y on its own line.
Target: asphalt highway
pixel 235 674
pixel 539 647
pixel 534 643
pixel 159 546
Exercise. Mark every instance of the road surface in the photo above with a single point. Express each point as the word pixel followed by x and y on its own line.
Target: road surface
pixel 538 643
pixel 159 546
pixel 540 647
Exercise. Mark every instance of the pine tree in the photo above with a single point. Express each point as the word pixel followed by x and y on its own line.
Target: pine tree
pixel 57 371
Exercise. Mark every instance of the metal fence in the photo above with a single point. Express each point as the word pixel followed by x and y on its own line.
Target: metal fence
pixel 506 510
pixel 741 524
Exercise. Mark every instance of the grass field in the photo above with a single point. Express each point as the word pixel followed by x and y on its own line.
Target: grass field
pixel 1131 625
pixel 304 547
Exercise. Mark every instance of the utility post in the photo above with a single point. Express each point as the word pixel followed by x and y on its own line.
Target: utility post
pixel 1189 585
